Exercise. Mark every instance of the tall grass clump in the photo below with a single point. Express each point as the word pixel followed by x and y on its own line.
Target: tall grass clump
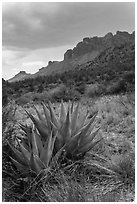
pixel 64 189
pixel 124 167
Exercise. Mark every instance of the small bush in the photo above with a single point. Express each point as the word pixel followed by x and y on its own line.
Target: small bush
pixel 94 90
pixel 80 87
pixel 22 100
pixel 129 77
pixel 33 97
pixel 64 93
pixel 39 97
pixel 124 167
pixel 117 87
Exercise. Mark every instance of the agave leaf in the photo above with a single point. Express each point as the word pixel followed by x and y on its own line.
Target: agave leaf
pixel 42 130
pixel 59 134
pixel 58 142
pixel 74 119
pixel 89 146
pixel 53 115
pixel 69 106
pixel 89 138
pixel 47 115
pixel 41 118
pixel 85 128
pixel 88 125
pixel 53 147
pixel 34 144
pixel 50 148
pixel 55 159
pixel 72 106
pixel 28 131
pixel 34 165
pixel 46 152
pixel 81 137
pixel 25 128
pixel 91 129
pixel 25 153
pixel 72 144
pixel 19 166
pixel 39 162
pixel 25 143
pixel 38 141
pixel 18 155
pixel 93 122
pixel 62 113
pixel 65 131
pixel 81 121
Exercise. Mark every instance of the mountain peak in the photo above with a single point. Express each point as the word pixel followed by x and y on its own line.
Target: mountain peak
pixel 20 76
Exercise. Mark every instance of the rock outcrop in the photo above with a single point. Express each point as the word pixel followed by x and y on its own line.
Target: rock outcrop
pixel 89 45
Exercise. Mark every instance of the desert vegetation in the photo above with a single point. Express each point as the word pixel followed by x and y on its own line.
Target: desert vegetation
pixel 76 151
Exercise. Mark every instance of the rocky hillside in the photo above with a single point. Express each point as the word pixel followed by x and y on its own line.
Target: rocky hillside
pixel 20 76
pixel 86 51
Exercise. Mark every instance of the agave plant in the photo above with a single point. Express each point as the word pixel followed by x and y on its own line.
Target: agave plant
pixel 34 155
pixel 70 132
pixel 71 129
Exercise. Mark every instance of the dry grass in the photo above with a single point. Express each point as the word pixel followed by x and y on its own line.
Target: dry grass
pixel 116 115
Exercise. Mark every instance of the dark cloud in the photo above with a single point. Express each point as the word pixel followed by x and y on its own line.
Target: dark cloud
pixel 45 25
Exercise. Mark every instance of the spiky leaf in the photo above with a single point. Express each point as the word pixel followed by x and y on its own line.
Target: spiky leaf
pixel 74 119
pixel 42 129
pixel 18 155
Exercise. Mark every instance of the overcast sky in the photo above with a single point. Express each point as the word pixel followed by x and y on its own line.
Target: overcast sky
pixel 35 33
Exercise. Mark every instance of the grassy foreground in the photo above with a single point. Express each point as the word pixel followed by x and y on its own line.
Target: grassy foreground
pixel 106 174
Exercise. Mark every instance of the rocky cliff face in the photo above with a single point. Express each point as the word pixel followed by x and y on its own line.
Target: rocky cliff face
pixel 20 76
pixel 89 45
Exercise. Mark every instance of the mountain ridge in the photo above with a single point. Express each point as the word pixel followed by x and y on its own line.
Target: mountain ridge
pixel 20 76
pixel 85 51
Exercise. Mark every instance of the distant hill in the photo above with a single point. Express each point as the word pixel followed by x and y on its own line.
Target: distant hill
pixel 85 52
pixel 20 76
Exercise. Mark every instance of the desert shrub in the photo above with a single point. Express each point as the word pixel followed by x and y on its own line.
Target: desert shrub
pixel 80 87
pixel 22 100
pixel 64 93
pixel 32 97
pixel 117 87
pixel 94 90
pixel 124 167
pixel 71 94
pixel 40 88
pixel 39 97
pixel 58 92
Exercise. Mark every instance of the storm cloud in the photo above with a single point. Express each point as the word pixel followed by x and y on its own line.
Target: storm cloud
pixel 45 25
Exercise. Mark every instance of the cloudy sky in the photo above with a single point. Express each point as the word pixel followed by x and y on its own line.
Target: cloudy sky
pixel 35 33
